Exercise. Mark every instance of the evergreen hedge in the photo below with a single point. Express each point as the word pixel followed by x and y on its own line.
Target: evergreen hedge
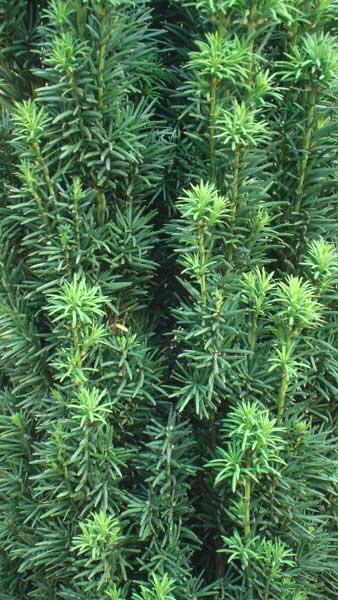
pixel 168 300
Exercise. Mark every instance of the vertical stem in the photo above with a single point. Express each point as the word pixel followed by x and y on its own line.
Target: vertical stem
pixel 86 448
pixel 247 509
pixel 213 431
pixel 235 184
pixel 281 165
pixel 223 23
pixel 64 472
pixel 234 194
pixel 81 16
pixel 284 384
pixel 76 219
pixel 281 399
pixel 202 259
pixel 71 78
pixel 169 481
pixel 42 212
pixel 294 32
pixel 253 333
pixel 42 164
pixel 252 24
pixel 75 338
pixel 247 526
pixel 101 206
pixel 306 149
pixel 76 344
pixel 101 58
pixel 267 587
pixel 101 198
pixel 107 571
pixel 212 130
pixel 251 37
pixel 24 438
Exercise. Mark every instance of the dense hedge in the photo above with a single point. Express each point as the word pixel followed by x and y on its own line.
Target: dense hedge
pixel 168 300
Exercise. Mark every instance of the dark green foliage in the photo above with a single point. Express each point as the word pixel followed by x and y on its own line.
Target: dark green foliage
pixel 78 364
pixel 168 300
pixel 19 20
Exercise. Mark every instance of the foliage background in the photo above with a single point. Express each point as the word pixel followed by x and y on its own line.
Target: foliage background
pixel 168 299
